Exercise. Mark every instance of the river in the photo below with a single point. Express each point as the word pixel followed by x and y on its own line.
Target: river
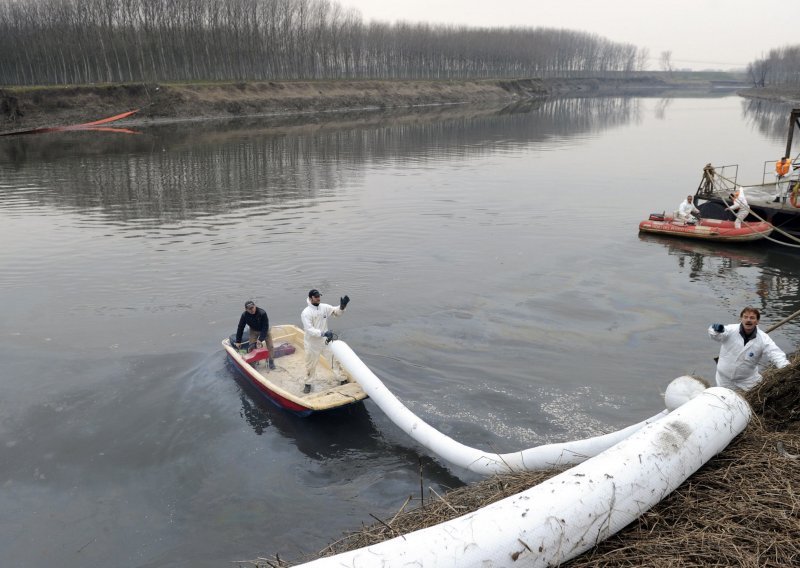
pixel 499 288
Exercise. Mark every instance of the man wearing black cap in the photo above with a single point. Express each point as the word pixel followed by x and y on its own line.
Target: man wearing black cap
pixel 257 321
pixel 315 325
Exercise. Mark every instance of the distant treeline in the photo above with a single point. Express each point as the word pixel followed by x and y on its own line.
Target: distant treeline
pixel 109 41
pixel 780 68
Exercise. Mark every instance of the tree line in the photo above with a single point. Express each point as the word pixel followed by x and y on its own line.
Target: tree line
pixel 781 68
pixel 110 41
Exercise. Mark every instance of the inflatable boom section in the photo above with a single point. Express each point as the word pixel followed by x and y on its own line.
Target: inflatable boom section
pixel 569 513
pixel 548 456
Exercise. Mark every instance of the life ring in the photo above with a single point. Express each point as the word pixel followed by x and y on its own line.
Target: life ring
pixel 794 195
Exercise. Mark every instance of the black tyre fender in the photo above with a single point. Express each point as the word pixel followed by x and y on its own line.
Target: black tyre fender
pixel 712 210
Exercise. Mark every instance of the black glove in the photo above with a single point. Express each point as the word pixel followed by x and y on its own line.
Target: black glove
pixel 718 327
pixel 328 335
pixel 343 301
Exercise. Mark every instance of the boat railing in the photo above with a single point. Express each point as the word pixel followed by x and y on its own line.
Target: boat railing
pixel 769 170
pixel 718 180
pixel 768 175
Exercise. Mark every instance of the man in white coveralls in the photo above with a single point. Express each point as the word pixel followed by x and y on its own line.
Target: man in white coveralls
pixel 740 206
pixel 687 211
pixel 315 324
pixel 743 346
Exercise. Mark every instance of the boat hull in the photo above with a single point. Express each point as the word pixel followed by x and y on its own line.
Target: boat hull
pixel 283 386
pixel 708 230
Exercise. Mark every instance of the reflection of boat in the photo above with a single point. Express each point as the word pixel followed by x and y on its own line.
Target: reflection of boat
pixel 733 255
pixel 717 184
pixel 707 229
pixel 347 434
pixel 284 385
pixel 319 436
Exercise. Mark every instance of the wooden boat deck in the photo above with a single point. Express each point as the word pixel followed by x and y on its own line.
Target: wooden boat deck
pixel 289 376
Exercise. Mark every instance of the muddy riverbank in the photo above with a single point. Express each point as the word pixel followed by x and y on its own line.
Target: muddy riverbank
pixel 25 107
pixel 783 94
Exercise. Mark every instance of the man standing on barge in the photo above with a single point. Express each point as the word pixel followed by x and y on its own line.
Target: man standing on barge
pixel 782 168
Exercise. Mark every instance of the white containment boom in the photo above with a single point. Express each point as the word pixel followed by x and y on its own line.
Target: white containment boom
pixel 571 512
pixel 547 456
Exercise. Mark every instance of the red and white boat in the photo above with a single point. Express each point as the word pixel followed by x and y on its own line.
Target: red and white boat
pixel 706 229
pixel 283 386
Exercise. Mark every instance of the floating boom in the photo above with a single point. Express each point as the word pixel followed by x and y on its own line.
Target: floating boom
pixel 547 456
pixel 570 513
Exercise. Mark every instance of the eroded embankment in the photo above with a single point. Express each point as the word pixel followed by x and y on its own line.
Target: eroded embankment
pixel 31 107
pixel 782 94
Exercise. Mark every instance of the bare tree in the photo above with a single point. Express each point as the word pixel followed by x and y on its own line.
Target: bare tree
pixel 665 62
pixel 86 41
pixel 758 71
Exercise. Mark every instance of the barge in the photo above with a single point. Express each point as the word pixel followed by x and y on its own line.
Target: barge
pixel 772 201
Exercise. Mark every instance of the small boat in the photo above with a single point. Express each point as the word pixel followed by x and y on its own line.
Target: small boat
pixel 706 229
pixel 283 386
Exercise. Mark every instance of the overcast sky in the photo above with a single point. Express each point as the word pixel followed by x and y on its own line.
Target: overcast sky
pixel 702 34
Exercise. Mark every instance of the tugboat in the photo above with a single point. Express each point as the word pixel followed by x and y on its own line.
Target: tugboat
pixel 713 195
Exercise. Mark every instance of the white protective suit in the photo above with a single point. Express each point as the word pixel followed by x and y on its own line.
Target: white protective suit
pixel 687 210
pixel 738 363
pixel 741 207
pixel 315 324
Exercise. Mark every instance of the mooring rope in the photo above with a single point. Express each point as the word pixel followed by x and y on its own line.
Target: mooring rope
pixel 759 217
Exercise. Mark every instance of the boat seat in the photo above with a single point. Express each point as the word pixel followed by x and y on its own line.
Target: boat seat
pixel 258 354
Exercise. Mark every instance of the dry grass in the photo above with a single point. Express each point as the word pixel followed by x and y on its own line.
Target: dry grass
pixel 741 509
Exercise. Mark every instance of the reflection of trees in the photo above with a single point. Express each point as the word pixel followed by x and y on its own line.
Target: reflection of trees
pixel 177 172
pixel 661 107
pixel 768 117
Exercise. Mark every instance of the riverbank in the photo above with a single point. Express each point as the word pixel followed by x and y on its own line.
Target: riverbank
pixel 782 94
pixel 33 107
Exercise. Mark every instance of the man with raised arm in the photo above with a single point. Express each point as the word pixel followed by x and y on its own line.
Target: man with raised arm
pixel 317 336
pixel 742 347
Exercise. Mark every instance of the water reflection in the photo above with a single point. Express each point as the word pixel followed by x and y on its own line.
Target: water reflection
pixel 661 107
pixel 485 291
pixel 768 117
pixel 762 271
pixel 182 171
pixel 346 433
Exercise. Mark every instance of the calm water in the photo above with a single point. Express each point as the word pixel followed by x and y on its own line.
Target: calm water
pixel 499 287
